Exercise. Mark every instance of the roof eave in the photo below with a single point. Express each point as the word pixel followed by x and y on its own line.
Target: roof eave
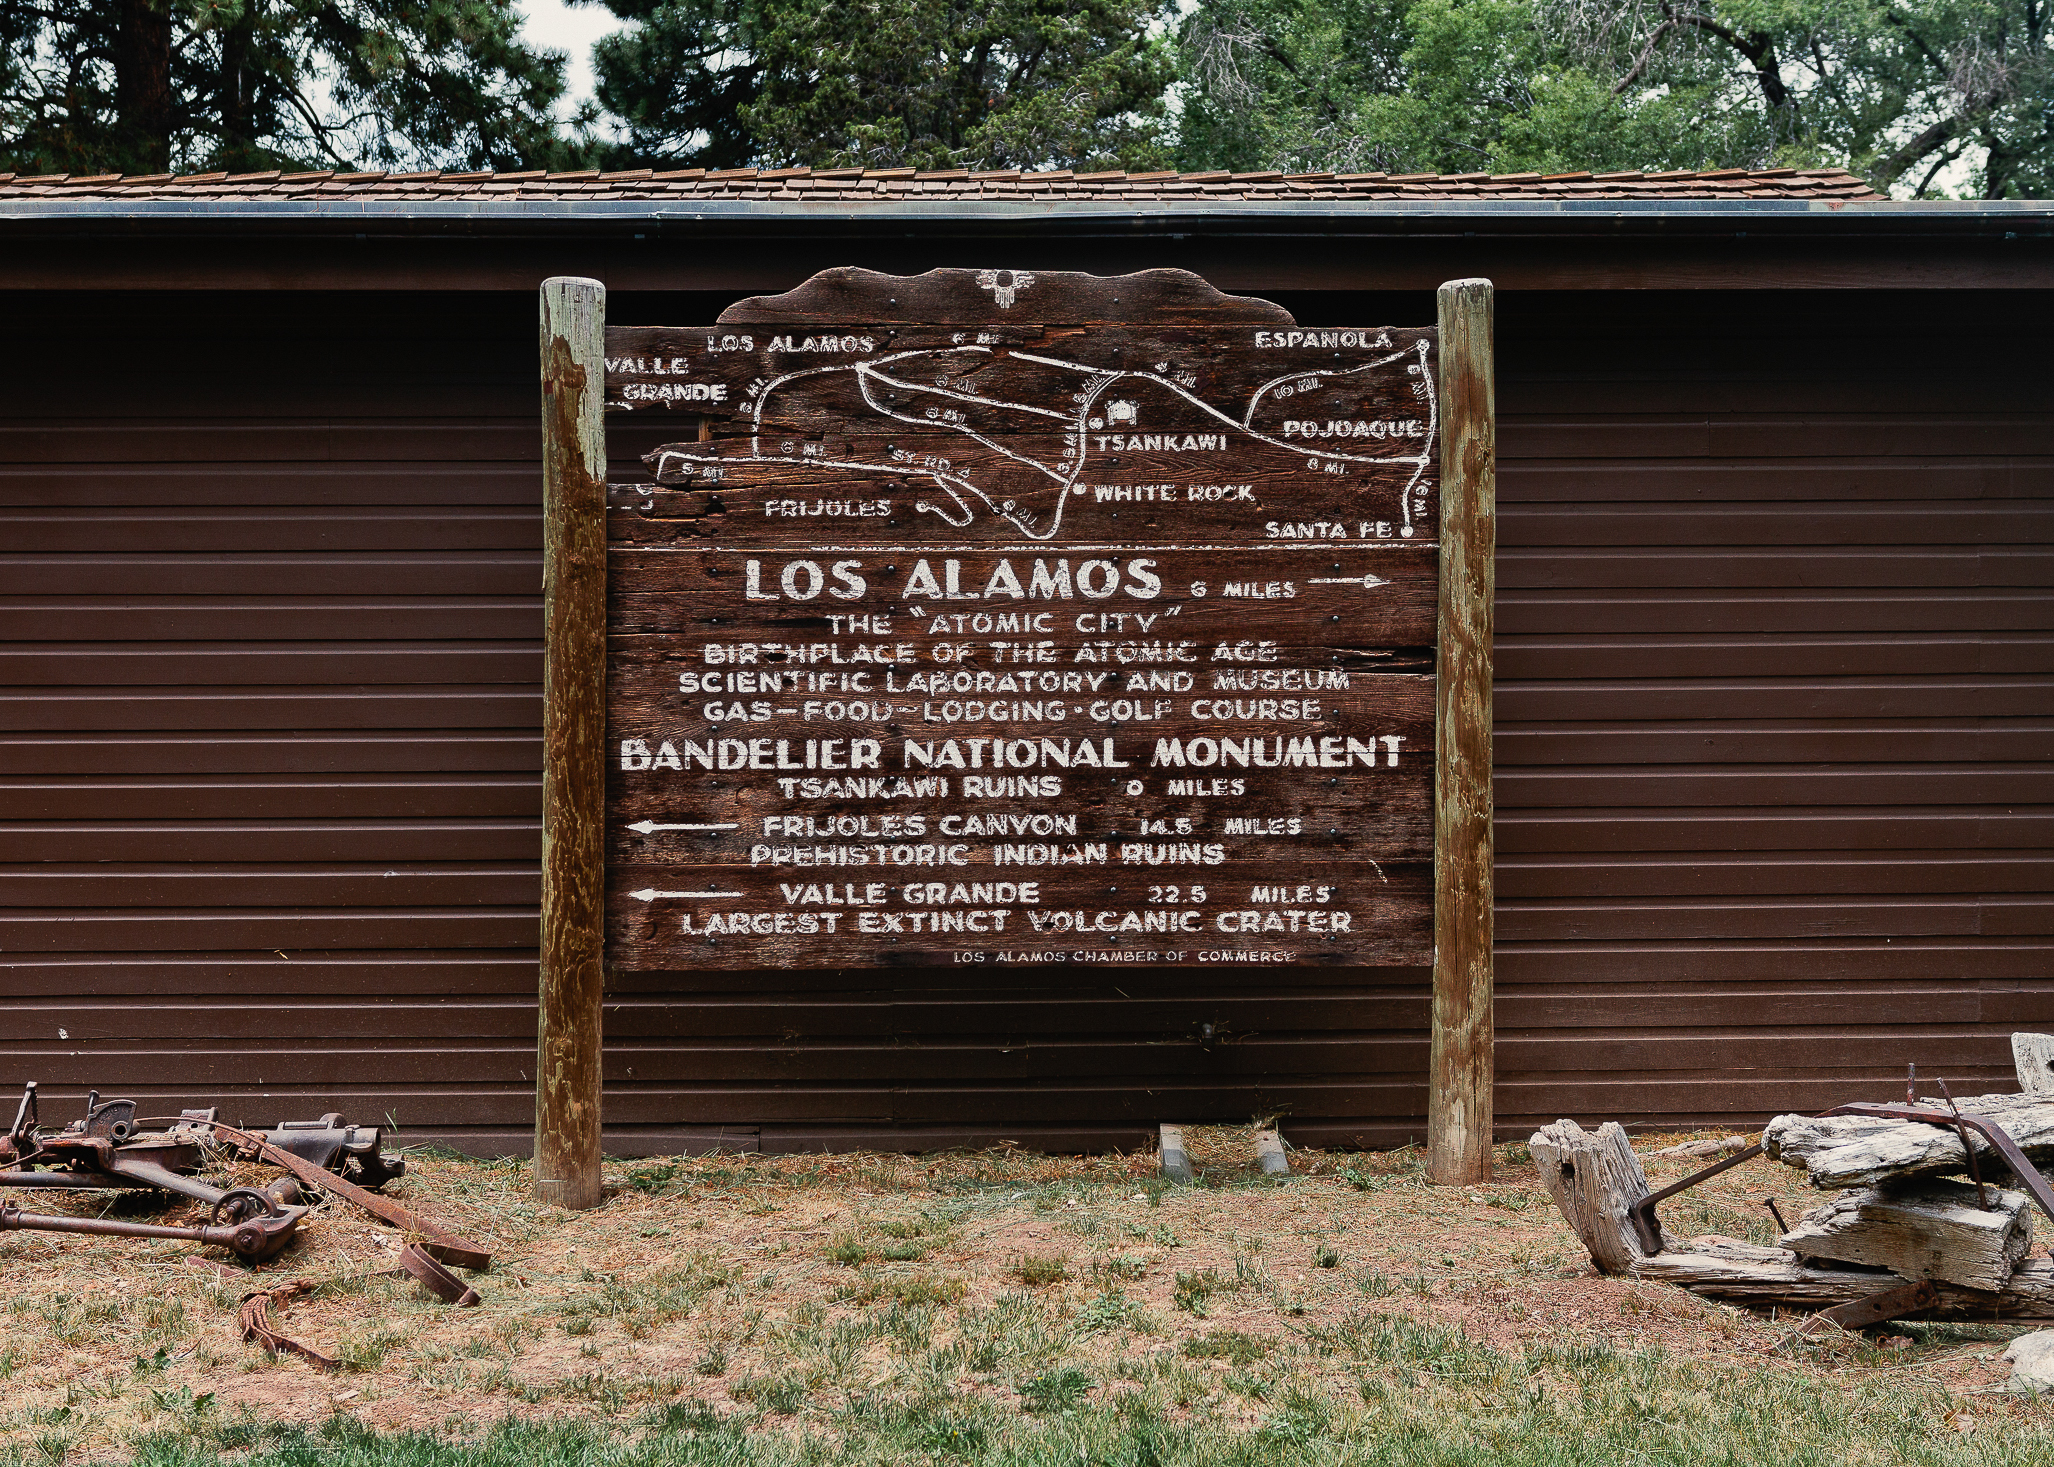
pixel 1559 217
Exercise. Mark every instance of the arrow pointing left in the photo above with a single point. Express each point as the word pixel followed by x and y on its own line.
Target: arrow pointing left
pixel 650 894
pixel 643 827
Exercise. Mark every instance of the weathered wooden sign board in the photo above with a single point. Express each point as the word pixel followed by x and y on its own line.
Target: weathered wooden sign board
pixel 1013 619
pixel 999 618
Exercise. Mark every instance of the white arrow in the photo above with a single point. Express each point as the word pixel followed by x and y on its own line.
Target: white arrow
pixel 1366 582
pixel 644 827
pixel 650 894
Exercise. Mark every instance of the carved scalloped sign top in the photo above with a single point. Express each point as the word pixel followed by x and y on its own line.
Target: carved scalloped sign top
pixel 951 297
pixel 1020 616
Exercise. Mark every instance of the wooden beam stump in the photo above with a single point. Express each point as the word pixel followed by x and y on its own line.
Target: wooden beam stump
pixel 572 985
pixel 1176 1162
pixel 1459 1100
pixel 1935 1230
pixel 1594 1178
pixel 2032 1055
pixel 1269 1153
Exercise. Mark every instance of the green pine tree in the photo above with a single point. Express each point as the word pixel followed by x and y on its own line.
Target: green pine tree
pixel 932 84
pixel 147 86
pixel 1909 93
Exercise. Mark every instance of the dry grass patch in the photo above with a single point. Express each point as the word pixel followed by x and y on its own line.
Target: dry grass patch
pixel 992 1306
pixel 1039 1270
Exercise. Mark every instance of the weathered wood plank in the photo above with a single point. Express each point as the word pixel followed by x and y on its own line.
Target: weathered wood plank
pixel 1932 1230
pixel 1859 1151
pixel 1769 1278
pixel 1459 1107
pixel 1074 902
pixel 1595 1177
pixel 1231 624
pixel 2033 1054
pixel 568 1058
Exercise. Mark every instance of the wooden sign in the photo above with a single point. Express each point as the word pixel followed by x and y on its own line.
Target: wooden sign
pixel 996 619
pixel 1002 618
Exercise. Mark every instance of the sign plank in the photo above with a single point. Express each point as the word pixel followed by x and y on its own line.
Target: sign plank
pixel 991 617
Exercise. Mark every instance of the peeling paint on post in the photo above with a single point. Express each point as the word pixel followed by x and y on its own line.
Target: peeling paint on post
pixel 568 1040
pixel 1459 1101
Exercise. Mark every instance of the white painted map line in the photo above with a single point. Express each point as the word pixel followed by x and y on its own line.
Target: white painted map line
pixel 643 827
pixel 650 894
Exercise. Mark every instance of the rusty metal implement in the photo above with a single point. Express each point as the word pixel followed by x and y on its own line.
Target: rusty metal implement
pixel 1891 1303
pixel 255 1237
pixel 107 1149
pixel 439 1242
pixel 1648 1228
pixel 254 1317
pixel 416 1264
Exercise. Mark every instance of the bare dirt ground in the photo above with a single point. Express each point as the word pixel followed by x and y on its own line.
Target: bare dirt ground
pixel 754 1283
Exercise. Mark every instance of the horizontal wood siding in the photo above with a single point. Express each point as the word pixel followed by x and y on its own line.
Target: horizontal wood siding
pixel 1775 653
pixel 1774 715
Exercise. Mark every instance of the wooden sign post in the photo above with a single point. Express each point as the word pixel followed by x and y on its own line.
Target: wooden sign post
pixel 1459 1108
pixel 568 1030
pixel 988 619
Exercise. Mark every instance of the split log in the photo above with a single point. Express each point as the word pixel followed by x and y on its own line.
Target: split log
pixel 1594 1178
pixel 1860 1151
pixel 1935 1230
pixel 1766 1278
pixel 2033 1057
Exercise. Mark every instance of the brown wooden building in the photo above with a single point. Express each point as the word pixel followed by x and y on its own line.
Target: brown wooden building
pixel 1775 689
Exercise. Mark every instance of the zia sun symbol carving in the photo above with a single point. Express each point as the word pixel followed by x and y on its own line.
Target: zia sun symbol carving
pixel 1006 292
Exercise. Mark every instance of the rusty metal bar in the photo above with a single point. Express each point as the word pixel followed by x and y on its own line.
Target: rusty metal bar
pixel 1890 1303
pixel 255 1238
pixel 1648 1228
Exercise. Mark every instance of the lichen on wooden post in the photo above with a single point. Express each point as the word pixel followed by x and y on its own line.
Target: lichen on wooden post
pixel 572 983
pixel 1461 1072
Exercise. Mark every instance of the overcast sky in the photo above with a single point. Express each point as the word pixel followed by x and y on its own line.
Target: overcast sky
pixel 570 29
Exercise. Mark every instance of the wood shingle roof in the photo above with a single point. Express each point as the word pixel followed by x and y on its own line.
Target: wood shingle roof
pixel 855 185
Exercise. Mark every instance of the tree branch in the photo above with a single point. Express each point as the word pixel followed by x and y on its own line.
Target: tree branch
pixel 1757 46
pixel 1974 111
pixel 1934 172
pixel 1826 78
pixel 1647 55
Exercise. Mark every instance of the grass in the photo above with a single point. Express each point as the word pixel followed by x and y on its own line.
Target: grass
pixel 902 1288
pixel 1423 1395
pixel 997 1309
pixel 1039 1270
